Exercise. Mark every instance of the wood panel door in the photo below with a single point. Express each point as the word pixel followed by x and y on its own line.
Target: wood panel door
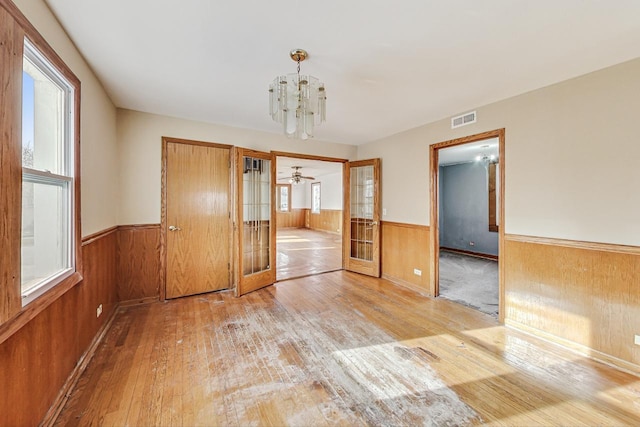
pixel 361 226
pixel 198 219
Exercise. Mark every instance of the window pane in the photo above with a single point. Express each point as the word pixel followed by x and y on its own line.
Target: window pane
pixel 45 231
pixel 43 118
pixel 315 197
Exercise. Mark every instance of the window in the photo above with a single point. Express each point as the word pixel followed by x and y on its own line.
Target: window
pixel 283 197
pixel 48 164
pixel 315 198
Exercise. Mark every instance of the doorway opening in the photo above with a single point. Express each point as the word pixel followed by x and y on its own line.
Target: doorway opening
pixel 467 195
pixel 309 215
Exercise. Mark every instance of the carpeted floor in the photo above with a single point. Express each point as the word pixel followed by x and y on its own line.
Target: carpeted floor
pixel 470 281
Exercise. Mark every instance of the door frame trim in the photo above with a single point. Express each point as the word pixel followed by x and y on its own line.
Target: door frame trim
pixel 434 254
pixel 163 207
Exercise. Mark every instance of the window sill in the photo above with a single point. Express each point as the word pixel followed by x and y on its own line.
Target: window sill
pixel 37 306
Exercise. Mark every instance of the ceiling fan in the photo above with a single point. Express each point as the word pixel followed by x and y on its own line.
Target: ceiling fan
pixel 296 176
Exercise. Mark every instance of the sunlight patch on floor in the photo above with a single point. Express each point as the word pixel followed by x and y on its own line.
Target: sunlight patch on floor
pixel 291 240
pixel 392 371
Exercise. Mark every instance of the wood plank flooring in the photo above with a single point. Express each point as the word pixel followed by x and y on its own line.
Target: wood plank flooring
pixel 302 252
pixel 337 349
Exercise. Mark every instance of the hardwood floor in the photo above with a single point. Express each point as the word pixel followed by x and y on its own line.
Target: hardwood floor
pixel 337 349
pixel 302 252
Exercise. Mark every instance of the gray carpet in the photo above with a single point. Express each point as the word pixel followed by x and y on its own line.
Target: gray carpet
pixel 470 281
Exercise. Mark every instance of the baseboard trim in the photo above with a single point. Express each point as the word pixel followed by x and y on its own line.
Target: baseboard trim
pixel 470 253
pixel 405 284
pixel 65 392
pixel 582 350
pixel 139 301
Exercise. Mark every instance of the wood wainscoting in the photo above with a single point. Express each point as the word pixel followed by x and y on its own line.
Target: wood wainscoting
pixel 295 218
pixel 405 247
pixel 327 220
pixel 585 296
pixel 139 269
pixel 38 361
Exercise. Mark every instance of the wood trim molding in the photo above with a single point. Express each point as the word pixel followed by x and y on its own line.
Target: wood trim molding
pixel 95 236
pixel 405 284
pixel 308 157
pixel 405 225
pixel 580 349
pixel 139 301
pixel 470 253
pixel 608 247
pixel 193 142
pixel 63 396
pixel 139 227
pixel 11 52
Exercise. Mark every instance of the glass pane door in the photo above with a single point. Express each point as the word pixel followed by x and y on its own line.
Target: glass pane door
pixel 256 214
pixel 362 216
pixel 362 186
pixel 256 209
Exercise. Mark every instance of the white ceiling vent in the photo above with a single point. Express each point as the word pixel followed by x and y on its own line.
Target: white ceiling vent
pixel 463 119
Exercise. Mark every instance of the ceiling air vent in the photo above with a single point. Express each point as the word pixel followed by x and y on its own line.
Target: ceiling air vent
pixel 463 119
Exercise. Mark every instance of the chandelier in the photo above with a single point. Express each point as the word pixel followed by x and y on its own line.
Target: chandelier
pixel 297 101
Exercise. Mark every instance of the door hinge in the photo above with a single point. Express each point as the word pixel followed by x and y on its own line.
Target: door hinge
pixel 228 266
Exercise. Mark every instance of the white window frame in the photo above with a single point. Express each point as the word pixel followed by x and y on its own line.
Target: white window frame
pixel 315 209
pixel 279 188
pixel 33 55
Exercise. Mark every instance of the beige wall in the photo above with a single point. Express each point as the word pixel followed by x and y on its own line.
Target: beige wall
pixel 572 153
pixel 140 136
pixel 98 121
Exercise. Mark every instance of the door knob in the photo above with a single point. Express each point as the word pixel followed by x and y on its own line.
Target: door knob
pixel 174 228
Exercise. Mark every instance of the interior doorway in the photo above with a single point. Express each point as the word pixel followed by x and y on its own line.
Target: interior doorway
pixel 309 215
pixel 467 197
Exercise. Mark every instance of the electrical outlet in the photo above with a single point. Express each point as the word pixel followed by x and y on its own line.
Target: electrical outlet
pixel 472 243
pixel 99 310
pixel 636 340
pixel 417 272
pixel 384 211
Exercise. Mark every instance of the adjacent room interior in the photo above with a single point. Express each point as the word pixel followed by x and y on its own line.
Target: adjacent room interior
pixel 468 219
pixel 308 217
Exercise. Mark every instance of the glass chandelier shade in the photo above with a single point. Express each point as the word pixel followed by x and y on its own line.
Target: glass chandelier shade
pixel 297 101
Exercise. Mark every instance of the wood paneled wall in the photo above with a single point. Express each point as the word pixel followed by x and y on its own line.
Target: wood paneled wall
pixel 327 220
pixel 294 218
pixel 404 248
pixel 583 295
pixel 36 361
pixel 139 269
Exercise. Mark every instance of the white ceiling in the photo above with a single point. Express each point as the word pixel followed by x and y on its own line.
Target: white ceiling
pixel 466 153
pixel 387 65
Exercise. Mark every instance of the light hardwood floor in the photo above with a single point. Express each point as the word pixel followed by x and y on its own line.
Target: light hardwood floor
pixel 302 252
pixel 337 349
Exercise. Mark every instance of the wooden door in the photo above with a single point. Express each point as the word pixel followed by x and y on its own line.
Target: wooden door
pixel 362 217
pixel 255 172
pixel 198 219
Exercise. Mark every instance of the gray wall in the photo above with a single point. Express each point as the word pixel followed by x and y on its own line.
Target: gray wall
pixel 464 209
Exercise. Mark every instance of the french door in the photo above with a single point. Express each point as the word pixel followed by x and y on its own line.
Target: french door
pixel 361 243
pixel 255 172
